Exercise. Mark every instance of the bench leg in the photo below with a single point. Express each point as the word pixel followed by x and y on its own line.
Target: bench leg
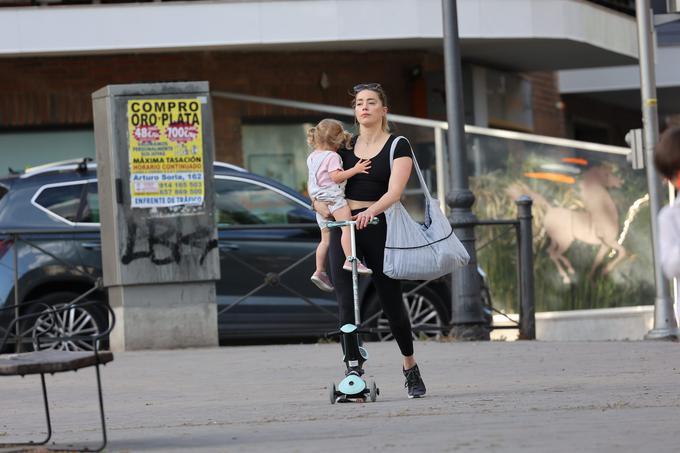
pixel 47 410
pixel 101 409
pixel 101 415
pixel 49 422
pixel 47 417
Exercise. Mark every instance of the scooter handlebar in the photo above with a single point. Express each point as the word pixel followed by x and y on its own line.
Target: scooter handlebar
pixel 342 223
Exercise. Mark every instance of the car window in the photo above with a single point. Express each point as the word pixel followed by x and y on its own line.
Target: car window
pixel 240 202
pixel 64 201
pixel 90 212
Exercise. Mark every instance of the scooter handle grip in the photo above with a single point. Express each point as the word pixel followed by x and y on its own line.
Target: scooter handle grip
pixel 342 223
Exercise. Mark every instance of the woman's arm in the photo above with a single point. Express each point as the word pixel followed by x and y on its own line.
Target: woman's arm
pixel 401 170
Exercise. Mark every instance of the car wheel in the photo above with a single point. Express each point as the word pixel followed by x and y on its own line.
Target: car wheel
pixel 425 308
pixel 45 328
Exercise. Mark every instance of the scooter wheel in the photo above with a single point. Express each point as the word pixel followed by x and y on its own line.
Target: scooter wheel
pixel 332 392
pixel 373 392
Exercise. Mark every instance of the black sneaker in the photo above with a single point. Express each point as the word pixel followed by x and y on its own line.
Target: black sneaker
pixel 356 370
pixel 414 383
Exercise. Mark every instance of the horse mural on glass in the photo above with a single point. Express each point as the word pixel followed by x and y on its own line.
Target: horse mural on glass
pixel 596 224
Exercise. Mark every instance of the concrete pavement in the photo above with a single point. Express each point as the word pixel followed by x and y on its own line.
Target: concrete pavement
pixel 491 397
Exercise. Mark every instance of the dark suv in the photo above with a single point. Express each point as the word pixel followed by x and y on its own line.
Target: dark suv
pixel 267 238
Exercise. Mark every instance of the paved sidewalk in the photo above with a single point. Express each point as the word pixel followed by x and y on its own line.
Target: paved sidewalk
pixel 491 397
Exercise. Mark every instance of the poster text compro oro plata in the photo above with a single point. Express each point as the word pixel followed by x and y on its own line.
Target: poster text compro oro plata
pixel 166 152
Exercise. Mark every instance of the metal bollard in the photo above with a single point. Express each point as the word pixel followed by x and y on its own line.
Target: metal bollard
pixel 527 310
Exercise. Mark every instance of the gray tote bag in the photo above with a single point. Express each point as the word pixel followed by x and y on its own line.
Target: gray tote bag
pixel 420 251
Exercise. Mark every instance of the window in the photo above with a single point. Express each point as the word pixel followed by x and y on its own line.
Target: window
pixel 625 6
pixel 277 151
pixel 72 202
pixel 240 202
pixel 590 131
pixel 23 149
pixel 63 201
pixel 90 209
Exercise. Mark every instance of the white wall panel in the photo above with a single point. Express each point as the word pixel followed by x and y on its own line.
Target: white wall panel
pixel 324 24
pixel 622 77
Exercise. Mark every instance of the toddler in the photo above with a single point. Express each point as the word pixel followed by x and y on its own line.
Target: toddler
pixel 326 183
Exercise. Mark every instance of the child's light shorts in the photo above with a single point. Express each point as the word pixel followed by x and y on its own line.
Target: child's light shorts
pixel 333 206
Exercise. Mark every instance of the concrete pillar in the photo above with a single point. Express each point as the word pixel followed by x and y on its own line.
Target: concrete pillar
pixel 159 240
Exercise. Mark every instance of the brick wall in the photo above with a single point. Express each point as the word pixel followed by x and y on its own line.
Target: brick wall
pixel 56 91
pixel 548 108
pixel 45 92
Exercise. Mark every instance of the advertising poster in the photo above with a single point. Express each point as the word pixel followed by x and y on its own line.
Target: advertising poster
pixel 166 152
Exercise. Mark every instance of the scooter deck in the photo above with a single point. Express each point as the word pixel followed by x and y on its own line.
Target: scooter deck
pixel 342 398
pixel 369 393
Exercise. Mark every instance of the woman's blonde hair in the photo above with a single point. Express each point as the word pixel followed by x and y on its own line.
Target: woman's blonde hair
pixel 329 132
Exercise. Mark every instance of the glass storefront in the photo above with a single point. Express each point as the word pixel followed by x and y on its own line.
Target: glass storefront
pixel 592 238
pixel 19 150
pixel 592 234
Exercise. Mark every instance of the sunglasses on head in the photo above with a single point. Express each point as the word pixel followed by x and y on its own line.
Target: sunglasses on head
pixel 366 86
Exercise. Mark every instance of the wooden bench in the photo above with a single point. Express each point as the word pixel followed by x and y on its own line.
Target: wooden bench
pixel 48 356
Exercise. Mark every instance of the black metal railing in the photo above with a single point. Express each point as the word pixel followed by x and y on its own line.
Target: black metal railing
pixel 522 226
pixel 16 237
pixel 523 229
pixel 525 288
pixel 273 279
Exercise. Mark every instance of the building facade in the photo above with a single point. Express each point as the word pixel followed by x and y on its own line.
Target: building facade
pixel 54 54
pixel 602 104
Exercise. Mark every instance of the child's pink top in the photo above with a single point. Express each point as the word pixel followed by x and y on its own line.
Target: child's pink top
pixel 332 163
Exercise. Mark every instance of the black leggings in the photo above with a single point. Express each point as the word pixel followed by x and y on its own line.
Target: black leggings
pixel 370 244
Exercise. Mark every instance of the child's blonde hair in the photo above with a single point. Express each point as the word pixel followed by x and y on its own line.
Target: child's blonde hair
pixel 329 132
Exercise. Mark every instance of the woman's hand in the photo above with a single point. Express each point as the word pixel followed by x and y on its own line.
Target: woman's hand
pixel 362 166
pixel 321 208
pixel 363 218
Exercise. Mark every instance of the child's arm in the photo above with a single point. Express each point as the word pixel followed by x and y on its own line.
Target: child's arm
pixel 339 176
pixel 669 240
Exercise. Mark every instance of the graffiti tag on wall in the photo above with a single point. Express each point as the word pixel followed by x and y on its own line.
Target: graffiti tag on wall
pixel 163 242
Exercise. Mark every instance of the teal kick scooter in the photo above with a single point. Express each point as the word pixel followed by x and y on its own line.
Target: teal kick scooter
pixel 353 388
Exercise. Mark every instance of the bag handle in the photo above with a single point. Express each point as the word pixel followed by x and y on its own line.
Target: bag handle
pixel 426 191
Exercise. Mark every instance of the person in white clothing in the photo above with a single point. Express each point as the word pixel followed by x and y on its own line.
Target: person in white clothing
pixel 667 161
pixel 326 183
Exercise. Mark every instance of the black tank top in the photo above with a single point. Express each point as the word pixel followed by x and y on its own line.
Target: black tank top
pixel 372 186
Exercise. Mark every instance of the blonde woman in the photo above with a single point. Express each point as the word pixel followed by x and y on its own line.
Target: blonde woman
pixel 368 195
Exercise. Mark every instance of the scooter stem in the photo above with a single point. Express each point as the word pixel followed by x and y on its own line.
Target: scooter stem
pixel 355 275
pixel 353 260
